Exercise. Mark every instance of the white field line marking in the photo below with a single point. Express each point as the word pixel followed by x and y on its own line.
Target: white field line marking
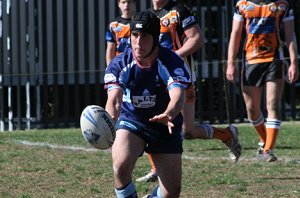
pixel 77 148
pixel 55 146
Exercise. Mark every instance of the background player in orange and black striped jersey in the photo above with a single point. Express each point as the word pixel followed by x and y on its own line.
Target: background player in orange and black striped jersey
pixel 263 63
pixel 180 32
pixel 118 33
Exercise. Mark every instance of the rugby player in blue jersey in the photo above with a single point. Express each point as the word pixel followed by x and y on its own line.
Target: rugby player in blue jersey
pixel 146 93
pixel 180 31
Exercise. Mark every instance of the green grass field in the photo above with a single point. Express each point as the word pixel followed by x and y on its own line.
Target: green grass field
pixel 59 163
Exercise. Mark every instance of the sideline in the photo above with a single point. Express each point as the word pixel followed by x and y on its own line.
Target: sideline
pixel 77 148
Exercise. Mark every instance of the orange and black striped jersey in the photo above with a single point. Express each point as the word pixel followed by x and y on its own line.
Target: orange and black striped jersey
pixel 263 20
pixel 119 32
pixel 174 19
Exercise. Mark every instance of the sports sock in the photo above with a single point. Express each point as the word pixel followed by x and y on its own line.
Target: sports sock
pixel 156 193
pixel 128 191
pixel 259 125
pixel 221 134
pixel 209 131
pixel 153 168
pixel 272 129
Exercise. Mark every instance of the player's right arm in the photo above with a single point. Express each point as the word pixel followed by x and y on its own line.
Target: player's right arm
pixel 114 102
pixel 233 48
pixel 110 51
pixel 111 45
pixel 114 88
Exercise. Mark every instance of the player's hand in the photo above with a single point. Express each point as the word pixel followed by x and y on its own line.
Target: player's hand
pixel 164 119
pixel 231 72
pixel 293 74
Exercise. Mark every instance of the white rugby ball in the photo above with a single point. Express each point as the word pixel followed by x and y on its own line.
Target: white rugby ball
pixel 97 127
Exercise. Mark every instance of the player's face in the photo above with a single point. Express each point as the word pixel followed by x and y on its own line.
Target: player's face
pixel 141 44
pixel 127 7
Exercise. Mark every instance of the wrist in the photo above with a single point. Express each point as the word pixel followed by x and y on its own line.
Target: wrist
pixel 169 117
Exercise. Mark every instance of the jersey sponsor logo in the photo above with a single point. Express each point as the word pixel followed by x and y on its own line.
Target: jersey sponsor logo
pixel 109 78
pixel 262 25
pixel 139 25
pixel 179 72
pixel 249 7
pixel 146 92
pixel 187 21
pixel 117 29
pixel 282 7
pixel 165 22
pixel 144 101
pixel 173 19
pixel 273 8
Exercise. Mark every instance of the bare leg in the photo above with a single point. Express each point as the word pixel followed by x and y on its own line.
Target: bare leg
pixel 125 151
pixel 190 131
pixel 274 94
pixel 168 167
pixel 274 90
pixel 252 97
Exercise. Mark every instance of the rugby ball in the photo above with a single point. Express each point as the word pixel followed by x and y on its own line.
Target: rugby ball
pixel 97 127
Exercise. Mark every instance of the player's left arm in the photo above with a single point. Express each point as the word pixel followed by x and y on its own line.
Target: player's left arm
pixel 293 72
pixel 177 98
pixel 193 41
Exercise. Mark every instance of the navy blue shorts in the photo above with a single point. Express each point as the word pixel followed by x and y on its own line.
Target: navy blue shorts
pixel 158 139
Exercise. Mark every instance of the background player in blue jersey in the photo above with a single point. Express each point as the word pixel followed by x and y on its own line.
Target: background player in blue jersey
pixel 180 32
pixel 146 92
pixel 118 32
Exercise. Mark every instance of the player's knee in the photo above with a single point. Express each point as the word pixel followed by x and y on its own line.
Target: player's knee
pixel 253 111
pixel 273 106
pixel 120 170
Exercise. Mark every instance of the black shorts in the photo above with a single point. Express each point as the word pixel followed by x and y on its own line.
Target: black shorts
pixel 157 140
pixel 258 74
